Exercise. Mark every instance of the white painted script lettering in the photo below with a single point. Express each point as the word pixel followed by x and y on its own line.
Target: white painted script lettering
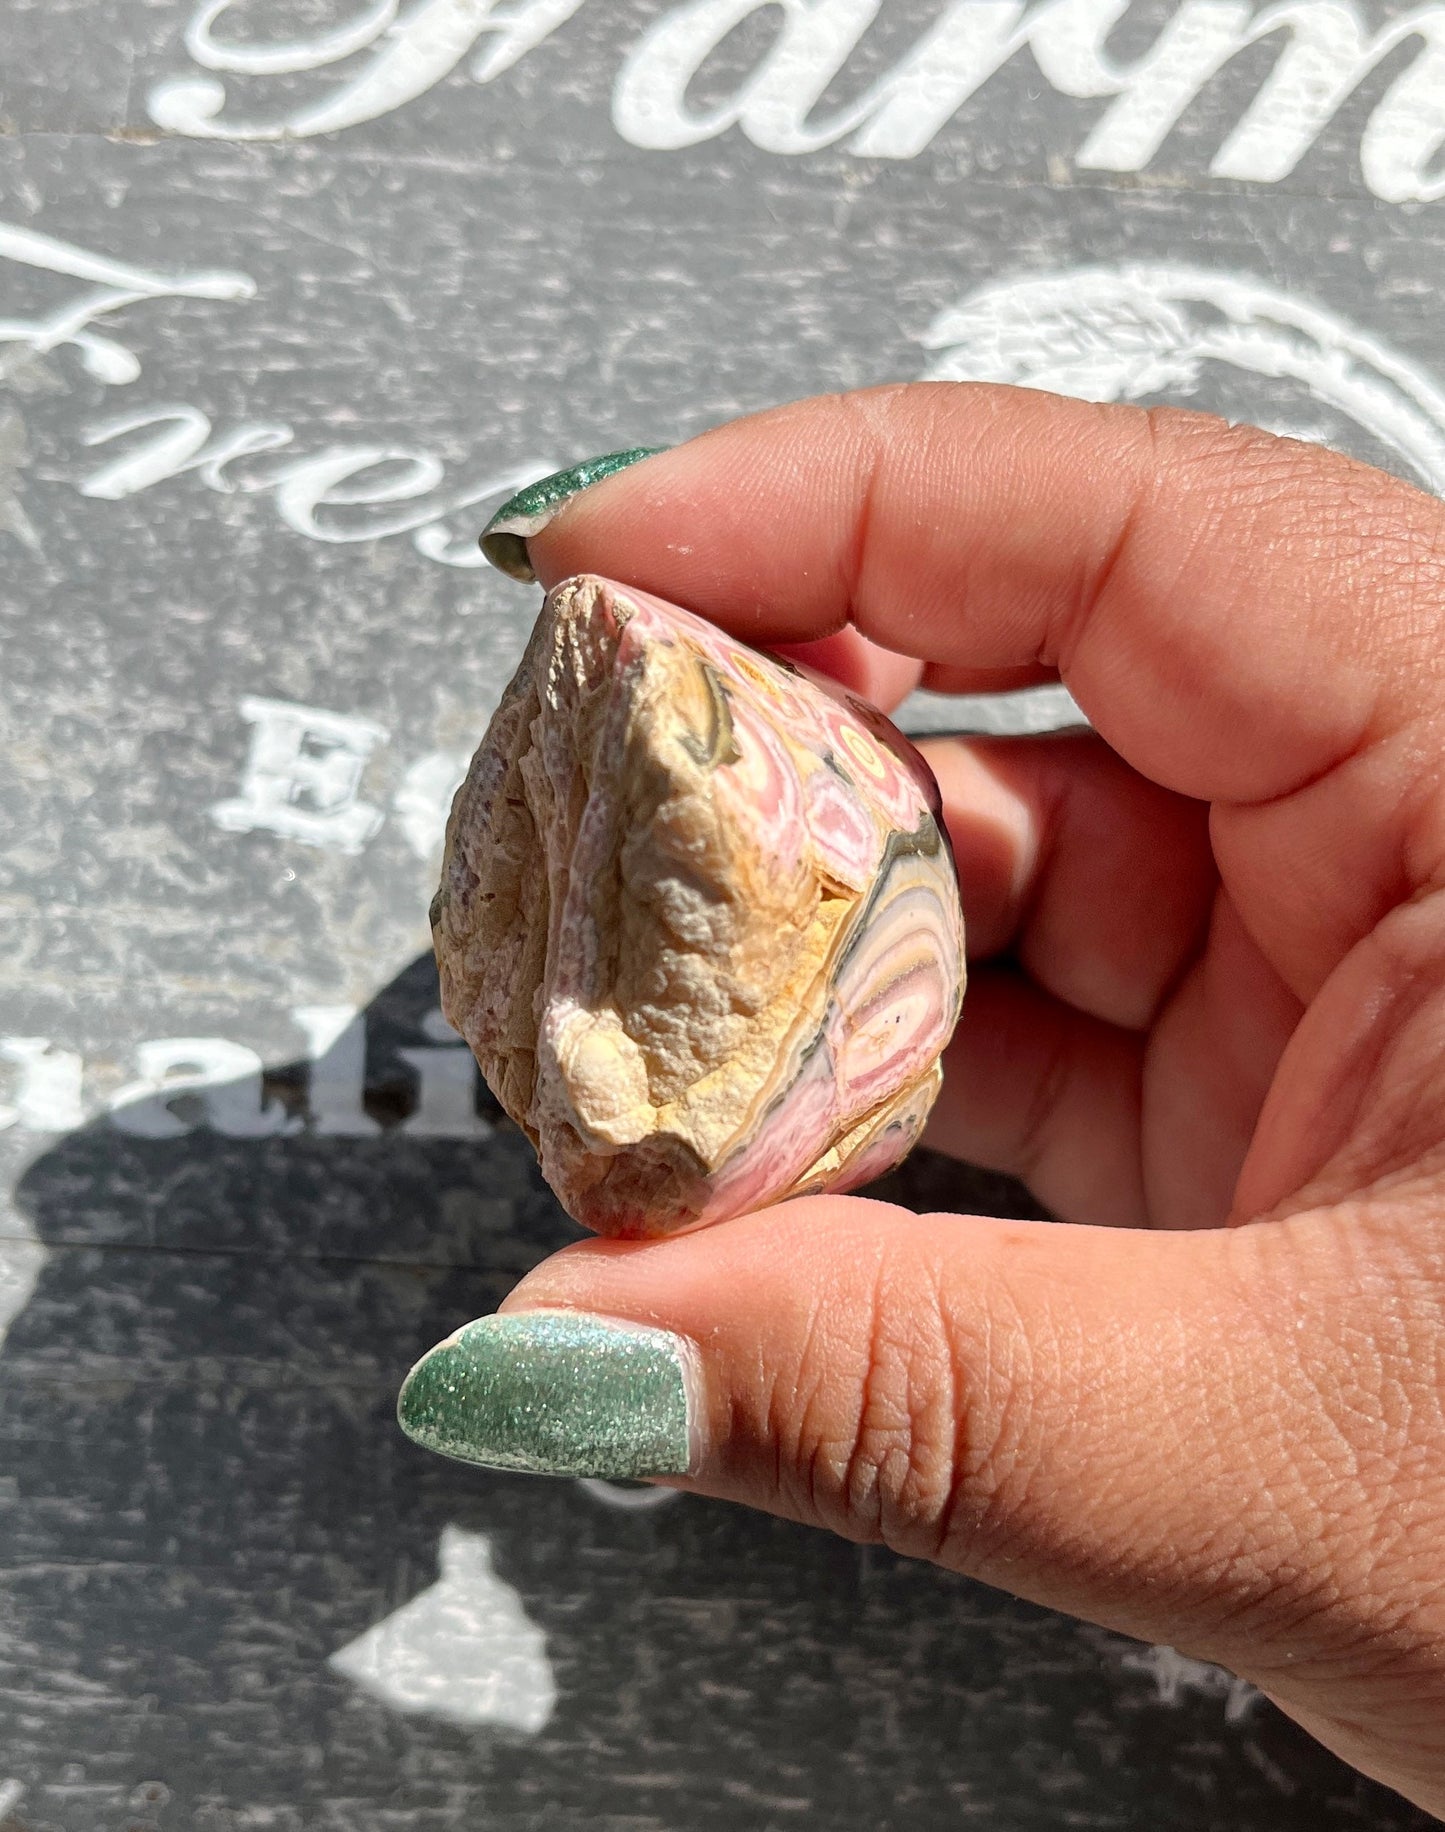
pixel 412 55
pixel 178 437
pixel 184 444
pixel 1194 46
pixel 1327 54
pixel 112 284
pixel 292 55
pixel 970 42
pixel 649 105
pixel 1327 51
pixel 321 481
pixel 895 119
pixel 304 488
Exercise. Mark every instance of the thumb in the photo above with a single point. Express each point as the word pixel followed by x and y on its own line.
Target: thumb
pixel 1126 1426
pixel 1231 1441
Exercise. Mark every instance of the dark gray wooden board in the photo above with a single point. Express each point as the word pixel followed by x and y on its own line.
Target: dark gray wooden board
pixel 234 1597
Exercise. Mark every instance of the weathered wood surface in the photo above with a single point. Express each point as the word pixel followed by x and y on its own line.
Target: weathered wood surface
pixel 234 703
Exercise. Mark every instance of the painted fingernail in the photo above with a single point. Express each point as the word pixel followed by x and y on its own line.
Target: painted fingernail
pixel 504 539
pixel 560 1393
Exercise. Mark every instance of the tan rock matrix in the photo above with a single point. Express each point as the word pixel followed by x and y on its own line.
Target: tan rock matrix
pixel 698 919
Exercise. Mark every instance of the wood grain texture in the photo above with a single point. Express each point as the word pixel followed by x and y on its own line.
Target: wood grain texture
pixel 204 1495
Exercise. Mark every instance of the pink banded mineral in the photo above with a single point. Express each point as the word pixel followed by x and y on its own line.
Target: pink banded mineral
pixel 698 919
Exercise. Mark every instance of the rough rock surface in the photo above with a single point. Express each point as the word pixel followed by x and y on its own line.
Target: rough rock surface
pixel 697 919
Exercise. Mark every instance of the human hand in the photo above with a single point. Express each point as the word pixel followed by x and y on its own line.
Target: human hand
pixel 1209 991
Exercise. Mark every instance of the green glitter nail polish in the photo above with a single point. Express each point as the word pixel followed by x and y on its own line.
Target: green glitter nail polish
pixel 504 539
pixel 558 1393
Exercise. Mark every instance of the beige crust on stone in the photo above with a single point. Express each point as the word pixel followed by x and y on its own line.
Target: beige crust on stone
pixel 637 973
pixel 688 967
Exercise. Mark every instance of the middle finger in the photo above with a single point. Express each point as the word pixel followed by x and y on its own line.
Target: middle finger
pixel 1098 881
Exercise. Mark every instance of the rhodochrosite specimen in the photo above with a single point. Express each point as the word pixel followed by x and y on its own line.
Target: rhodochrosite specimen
pixel 697 919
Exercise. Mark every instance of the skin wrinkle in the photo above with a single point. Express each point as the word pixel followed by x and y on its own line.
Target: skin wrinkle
pixel 1139 1551
pixel 1273 1576
pixel 1048 1394
pixel 865 487
pixel 867 606
pixel 744 1422
pixel 929 1408
pixel 857 1479
pixel 994 1461
pixel 1170 457
pixel 1204 1451
pixel 1062 643
pixel 958 1536
pixel 1092 601
pixel 1396 1645
pixel 952 1403
pixel 808 1401
pixel 1325 1175
pixel 1235 834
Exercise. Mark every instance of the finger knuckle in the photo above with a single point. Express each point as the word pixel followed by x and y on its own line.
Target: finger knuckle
pixel 899 1470
pixel 929 1452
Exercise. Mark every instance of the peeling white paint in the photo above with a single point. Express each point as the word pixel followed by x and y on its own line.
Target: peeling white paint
pixel 1177 1677
pixel 464 1651
pixel 48 1096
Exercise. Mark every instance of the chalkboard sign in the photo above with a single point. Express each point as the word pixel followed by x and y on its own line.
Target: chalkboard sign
pixel 291 294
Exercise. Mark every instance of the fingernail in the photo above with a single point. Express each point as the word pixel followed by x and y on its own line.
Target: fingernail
pixel 560 1393
pixel 504 539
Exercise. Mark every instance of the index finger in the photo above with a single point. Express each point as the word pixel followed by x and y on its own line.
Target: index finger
pixel 1236 613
